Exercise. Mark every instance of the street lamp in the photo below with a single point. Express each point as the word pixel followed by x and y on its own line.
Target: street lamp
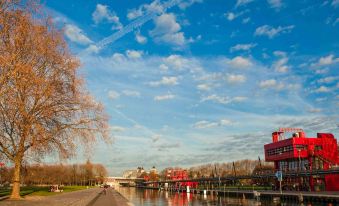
pixel 299 159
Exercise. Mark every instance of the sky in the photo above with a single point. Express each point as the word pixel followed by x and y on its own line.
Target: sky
pixel 189 82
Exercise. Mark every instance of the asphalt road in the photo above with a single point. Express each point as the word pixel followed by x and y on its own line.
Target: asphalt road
pixel 88 197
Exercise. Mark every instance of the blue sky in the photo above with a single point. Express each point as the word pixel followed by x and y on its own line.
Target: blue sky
pixel 188 82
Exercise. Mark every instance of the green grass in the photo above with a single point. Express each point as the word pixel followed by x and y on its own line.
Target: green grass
pixel 44 191
pixel 41 191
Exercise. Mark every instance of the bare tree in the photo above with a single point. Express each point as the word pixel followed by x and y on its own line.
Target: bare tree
pixel 43 104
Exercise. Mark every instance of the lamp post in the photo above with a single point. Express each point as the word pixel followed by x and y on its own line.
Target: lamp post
pixel 1 165
pixel 299 159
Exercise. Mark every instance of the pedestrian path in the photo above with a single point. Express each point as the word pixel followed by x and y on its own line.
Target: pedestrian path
pixel 77 198
pixel 110 198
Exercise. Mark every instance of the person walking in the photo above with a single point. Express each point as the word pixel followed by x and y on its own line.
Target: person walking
pixel 105 190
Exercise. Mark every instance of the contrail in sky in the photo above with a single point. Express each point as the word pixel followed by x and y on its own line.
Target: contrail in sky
pixel 135 122
pixel 134 24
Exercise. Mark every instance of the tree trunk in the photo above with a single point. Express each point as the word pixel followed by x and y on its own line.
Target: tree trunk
pixel 16 179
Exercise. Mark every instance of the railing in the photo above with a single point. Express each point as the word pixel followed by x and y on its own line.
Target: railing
pixel 254 176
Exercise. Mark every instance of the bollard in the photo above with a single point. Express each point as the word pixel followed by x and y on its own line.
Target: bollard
pixel 300 198
pixel 188 189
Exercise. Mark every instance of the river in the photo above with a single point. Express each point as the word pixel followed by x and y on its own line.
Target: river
pixel 147 197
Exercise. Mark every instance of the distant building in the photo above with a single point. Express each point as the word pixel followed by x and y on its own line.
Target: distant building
pixel 136 173
pixel 153 170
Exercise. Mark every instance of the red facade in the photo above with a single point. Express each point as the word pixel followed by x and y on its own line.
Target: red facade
pixel 179 174
pixel 300 153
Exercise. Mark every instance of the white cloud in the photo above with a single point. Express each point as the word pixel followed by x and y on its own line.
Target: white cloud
pixel 230 16
pixel 131 93
pixel 234 78
pixel 276 4
pixel 322 89
pixel 134 13
pixel 113 94
pixel 204 87
pixel 166 81
pixel 328 79
pixel 216 98
pixel 271 32
pixel 206 124
pixel 244 47
pixel 239 99
pixel 280 53
pixel 293 87
pixel 163 67
pixel 166 23
pixel 336 21
pixel 175 61
pixel 164 97
pixel 140 39
pixel 156 137
pixel 268 83
pixel 315 110
pixel 102 13
pixel 242 2
pixel 134 54
pixel 223 100
pixel 167 30
pixel 279 86
pixel 75 34
pixel 154 7
pixel 246 20
pixel 115 128
pixel 322 71
pixel 321 99
pixel 225 122
pixel 240 62
pixel 184 4
pixel 93 49
pixel 280 65
pixel 335 3
pixel 177 39
pixel 118 57
pixel 327 60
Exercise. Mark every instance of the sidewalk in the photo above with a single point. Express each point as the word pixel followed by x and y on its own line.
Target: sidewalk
pixel 77 198
pixel 111 197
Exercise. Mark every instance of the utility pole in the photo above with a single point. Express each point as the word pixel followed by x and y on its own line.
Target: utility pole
pixel 235 173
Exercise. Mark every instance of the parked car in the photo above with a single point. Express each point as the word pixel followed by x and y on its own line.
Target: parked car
pixel 56 188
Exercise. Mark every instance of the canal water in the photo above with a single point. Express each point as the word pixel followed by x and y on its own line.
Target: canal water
pixel 148 197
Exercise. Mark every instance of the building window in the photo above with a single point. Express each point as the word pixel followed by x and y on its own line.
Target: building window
pixel 300 147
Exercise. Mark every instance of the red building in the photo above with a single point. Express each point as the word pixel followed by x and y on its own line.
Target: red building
pixel 301 153
pixel 179 174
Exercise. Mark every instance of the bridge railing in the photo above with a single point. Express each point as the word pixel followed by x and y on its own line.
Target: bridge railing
pixel 304 173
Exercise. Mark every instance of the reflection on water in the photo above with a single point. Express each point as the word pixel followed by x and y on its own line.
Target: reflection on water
pixel 149 197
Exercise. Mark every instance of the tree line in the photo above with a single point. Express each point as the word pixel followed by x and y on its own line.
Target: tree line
pixel 61 174
pixel 240 167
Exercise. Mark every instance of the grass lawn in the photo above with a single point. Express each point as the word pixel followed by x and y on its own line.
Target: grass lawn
pixel 41 191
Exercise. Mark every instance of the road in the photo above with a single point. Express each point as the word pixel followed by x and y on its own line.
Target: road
pixel 88 197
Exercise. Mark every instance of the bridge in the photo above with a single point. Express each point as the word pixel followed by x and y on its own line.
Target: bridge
pixel 286 174
pixel 116 181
